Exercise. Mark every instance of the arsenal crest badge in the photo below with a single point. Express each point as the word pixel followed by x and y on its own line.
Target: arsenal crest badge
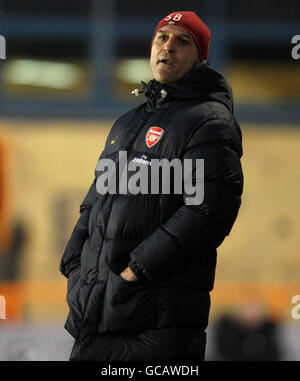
pixel 153 136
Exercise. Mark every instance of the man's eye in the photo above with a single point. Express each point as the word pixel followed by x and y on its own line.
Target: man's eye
pixel 162 38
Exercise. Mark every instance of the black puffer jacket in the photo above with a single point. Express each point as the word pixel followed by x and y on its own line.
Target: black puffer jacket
pixel 169 245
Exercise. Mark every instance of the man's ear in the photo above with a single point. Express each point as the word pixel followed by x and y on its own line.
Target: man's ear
pixel 198 61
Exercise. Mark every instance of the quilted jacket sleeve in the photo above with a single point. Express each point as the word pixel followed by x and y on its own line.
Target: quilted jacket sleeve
pixel 193 228
pixel 71 255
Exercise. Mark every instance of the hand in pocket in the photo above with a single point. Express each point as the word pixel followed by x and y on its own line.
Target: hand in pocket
pixel 128 275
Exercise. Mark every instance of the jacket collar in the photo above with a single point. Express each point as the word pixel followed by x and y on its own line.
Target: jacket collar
pixel 200 83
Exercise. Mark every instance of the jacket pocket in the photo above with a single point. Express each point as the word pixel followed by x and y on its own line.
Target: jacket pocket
pixel 128 305
pixel 83 257
pixel 73 285
pixel 93 215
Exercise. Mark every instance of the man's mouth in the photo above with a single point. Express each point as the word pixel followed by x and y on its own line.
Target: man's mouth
pixel 165 61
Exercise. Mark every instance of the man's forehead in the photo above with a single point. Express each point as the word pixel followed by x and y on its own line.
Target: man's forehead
pixel 178 30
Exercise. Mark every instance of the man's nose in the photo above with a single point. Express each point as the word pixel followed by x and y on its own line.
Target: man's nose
pixel 170 45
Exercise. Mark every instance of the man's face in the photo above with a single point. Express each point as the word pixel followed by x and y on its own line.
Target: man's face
pixel 173 54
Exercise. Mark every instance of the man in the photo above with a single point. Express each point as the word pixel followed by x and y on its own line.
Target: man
pixel 140 266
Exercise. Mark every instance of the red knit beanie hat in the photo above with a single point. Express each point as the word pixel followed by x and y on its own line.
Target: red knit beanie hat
pixel 193 25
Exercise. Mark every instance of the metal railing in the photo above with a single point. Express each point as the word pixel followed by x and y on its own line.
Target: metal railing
pixel 102 31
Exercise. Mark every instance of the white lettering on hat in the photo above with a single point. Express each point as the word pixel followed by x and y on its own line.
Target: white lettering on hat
pixel 176 17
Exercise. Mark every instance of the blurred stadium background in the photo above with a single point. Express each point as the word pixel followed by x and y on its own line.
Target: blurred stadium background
pixel 68 73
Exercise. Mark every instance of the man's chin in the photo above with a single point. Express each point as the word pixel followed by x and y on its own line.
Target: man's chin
pixel 165 78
